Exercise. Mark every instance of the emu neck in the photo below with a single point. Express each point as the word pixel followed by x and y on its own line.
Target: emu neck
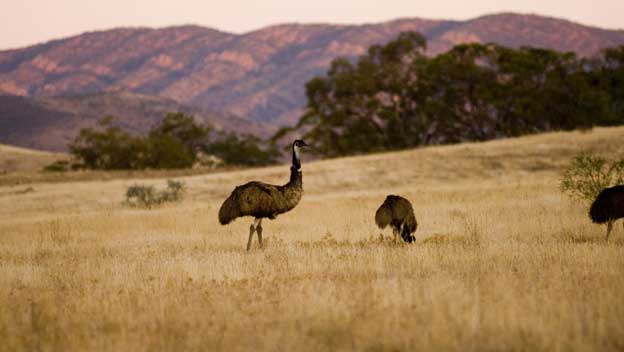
pixel 295 170
pixel 296 163
pixel 296 179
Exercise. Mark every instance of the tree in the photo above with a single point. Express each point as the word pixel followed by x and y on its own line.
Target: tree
pixel 606 75
pixel 171 143
pixel 108 147
pixel 182 128
pixel 242 150
pixel 461 88
pixel 395 97
pixel 362 107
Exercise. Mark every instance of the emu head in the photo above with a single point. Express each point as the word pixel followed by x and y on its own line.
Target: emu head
pixel 409 238
pixel 296 147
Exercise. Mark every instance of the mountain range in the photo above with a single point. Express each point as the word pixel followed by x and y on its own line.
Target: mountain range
pixel 259 76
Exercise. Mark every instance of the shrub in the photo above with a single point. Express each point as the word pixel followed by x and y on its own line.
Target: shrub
pixel 148 196
pixel 588 174
pixel 58 166
pixel 173 192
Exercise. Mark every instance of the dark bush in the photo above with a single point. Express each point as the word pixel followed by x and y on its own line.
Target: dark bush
pixel 58 166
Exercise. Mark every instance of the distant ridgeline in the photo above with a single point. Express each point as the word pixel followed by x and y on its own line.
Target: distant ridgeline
pixel 395 97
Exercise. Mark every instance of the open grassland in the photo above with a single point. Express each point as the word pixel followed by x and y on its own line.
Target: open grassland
pixel 502 260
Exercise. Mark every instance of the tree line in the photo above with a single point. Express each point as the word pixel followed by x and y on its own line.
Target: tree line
pixel 395 97
pixel 176 142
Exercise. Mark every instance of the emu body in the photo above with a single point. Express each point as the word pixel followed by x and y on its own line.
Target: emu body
pixel 608 207
pixel 262 200
pixel 397 212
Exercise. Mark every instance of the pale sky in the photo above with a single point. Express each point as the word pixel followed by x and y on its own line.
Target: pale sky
pixel 25 22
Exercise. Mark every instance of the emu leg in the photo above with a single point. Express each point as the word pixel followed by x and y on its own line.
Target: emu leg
pixel 252 228
pixel 395 233
pixel 609 228
pixel 259 232
pixel 251 231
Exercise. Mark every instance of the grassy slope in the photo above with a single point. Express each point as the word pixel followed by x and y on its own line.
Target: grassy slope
pixel 502 261
pixel 18 160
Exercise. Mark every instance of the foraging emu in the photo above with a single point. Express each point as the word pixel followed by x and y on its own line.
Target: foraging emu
pixel 608 207
pixel 398 212
pixel 262 200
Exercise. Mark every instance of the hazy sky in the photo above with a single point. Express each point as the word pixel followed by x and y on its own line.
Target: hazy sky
pixel 24 22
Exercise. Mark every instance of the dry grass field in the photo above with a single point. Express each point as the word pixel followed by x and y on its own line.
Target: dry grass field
pixel 502 260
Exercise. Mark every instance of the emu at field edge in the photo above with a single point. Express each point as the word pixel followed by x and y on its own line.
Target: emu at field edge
pixel 262 200
pixel 608 207
pixel 397 212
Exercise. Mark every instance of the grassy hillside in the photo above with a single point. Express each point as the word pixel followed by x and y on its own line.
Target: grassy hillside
pixel 15 159
pixel 502 260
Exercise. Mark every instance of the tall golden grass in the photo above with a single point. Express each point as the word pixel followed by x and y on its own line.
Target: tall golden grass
pixel 502 261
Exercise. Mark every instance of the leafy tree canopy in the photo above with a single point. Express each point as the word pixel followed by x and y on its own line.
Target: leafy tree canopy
pixel 395 97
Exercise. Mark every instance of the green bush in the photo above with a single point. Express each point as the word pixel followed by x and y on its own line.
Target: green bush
pixel 148 196
pixel 588 174
pixel 173 192
pixel 58 166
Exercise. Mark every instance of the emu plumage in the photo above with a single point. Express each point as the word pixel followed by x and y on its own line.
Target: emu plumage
pixel 397 212
pixel 608 207
pixel 262 200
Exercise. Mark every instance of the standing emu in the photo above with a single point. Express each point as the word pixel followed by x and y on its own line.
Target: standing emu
pixel 262 200
pixel 398 212
pixel 608 207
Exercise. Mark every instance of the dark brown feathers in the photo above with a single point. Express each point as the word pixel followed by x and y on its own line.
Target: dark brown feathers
pixel 397 212
pixel 608 205
pixel 262 200
pixel 229 209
